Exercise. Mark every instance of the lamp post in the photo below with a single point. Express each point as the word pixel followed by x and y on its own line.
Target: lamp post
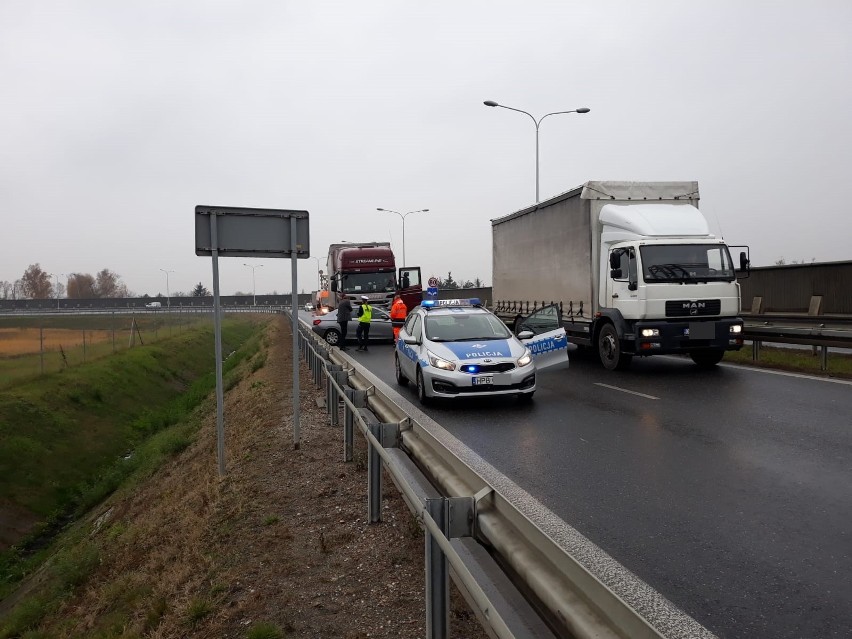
pixel 168 294
pixel 57 288
pixel 319 273
pixel 492 103
pixel 402 216
pixel 253 288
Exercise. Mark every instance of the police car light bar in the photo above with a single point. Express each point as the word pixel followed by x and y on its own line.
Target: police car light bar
pixel 471 301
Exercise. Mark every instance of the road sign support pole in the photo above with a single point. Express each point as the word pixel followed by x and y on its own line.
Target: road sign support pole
pixel 294 313
pixel 217 330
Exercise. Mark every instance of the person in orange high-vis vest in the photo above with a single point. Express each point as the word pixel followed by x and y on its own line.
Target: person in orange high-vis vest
pixel 398 313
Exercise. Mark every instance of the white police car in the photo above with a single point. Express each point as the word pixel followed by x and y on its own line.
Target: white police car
pixel 453 348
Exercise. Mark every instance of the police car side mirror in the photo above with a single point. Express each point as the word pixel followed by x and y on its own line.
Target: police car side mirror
pixel 411 341
pixel 526 334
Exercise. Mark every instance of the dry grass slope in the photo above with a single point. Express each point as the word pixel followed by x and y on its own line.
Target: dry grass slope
pixel 278 548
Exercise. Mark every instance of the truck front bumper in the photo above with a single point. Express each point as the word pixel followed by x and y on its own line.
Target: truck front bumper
pixel 653 338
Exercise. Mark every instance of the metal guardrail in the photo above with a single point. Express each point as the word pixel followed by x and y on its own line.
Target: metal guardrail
pixel 472 527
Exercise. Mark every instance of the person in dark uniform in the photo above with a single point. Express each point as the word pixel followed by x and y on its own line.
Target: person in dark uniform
pixel 344 315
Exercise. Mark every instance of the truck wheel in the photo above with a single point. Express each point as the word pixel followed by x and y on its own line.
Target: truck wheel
pixel 707 359
pixel 609 350
pixel 332 336
pixel 401 379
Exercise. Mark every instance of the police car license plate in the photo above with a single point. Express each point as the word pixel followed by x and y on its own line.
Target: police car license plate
pixel 486 379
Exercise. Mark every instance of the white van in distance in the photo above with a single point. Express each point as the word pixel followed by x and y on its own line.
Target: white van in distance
pixel 153 305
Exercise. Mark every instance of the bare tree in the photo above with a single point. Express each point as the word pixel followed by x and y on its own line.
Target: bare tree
pixel 7 289
pixel 81 286
pixel 105 285
pixel 109 284
pixel 35 283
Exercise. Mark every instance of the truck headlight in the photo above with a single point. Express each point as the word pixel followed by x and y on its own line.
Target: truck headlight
pixel 440 362
pixel 525 359
pixel 737 328
pixel 650 332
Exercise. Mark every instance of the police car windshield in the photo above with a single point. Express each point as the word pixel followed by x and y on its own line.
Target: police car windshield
pixel 460 327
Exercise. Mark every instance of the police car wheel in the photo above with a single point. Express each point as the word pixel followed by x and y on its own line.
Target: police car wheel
pixel 401 379
pixel 422 397
pixel 332 337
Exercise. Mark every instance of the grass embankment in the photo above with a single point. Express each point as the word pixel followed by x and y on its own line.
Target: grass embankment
pixel 32 346
pixel 794 360
pixel 70 439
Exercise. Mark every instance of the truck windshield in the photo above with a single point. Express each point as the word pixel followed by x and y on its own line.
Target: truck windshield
pixel 687 263
pixel 369 283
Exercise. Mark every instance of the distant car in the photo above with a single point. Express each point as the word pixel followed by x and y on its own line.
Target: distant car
pixel 153 305
pixel 309 306
pixel 452 348
pixel 380 328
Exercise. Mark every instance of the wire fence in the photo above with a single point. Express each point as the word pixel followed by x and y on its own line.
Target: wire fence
pixel 40 345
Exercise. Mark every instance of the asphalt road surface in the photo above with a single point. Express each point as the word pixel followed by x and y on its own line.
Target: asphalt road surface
pixel 729 491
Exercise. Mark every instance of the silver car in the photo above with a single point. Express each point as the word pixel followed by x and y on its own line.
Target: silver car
pixel 326 326
pixel 456 348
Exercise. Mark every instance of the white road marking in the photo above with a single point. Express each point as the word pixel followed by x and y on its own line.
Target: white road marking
pixel 624 390
pixel 768 371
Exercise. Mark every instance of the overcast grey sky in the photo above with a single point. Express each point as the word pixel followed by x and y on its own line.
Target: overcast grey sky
pixel 117 118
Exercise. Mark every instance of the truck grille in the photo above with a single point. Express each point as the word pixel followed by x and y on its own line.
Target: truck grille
pixel 692 308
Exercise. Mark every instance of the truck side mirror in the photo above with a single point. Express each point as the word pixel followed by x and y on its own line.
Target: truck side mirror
pixel 744 261
pixel 334 286
pixel 615 259
pixel 616 273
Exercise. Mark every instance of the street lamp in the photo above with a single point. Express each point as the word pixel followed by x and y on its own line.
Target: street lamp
pixel 57 288
pixel 168 295
pixel 319 272
pixel 492 103
pixel 402 216
pixel 253 289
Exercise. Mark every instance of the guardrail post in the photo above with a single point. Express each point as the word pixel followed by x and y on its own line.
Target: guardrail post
pixel 437 576
pixel 374 476
pixel 755 350
pixel 319 364
pixel 341 378
pixel 359 399
pixel 330 394
pixel 823 358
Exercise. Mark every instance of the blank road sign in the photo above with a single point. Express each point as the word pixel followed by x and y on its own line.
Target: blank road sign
pixel 244 232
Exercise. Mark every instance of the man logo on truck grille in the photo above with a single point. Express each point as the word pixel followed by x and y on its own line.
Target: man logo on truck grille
pixel 694 307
